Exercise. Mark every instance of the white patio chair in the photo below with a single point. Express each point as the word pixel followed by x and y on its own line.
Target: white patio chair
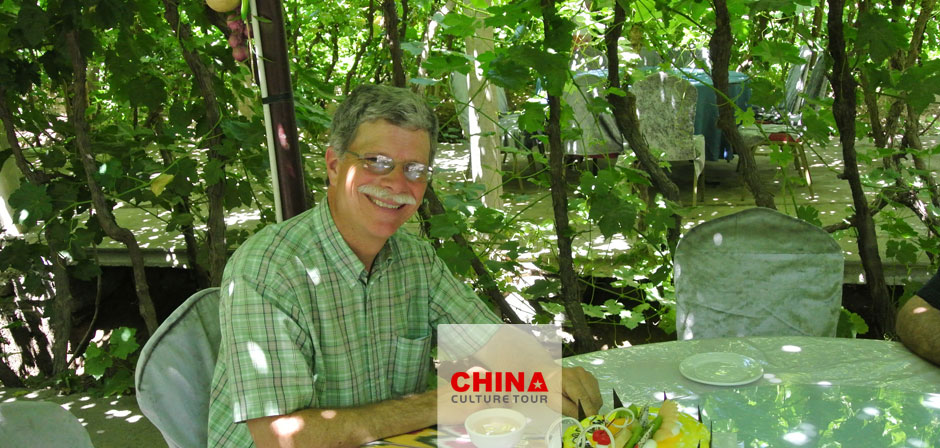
pixel 803 81
pixel 757 273
pixel 40 424
pixel 174 371
pixel 600 136
pixel 665 106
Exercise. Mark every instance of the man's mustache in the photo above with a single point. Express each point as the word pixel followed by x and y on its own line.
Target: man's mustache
pixel 381 193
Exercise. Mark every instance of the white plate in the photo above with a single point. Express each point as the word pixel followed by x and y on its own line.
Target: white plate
pixel 721 369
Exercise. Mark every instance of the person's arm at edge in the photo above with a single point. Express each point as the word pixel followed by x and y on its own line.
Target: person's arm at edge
pixel 343 427
pixel 918 326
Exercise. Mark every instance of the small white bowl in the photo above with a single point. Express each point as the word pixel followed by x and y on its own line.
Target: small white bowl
pixel 495 427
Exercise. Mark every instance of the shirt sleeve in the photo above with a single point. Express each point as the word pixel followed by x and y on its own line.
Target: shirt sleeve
pixel 930 292
pixel 454 302
pixel 267 351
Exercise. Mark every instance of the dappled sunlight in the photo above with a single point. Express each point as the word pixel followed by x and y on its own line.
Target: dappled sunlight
pixel 798 438
pixel 717 238
pixel 287 426
pixel 314 275
pixel 931 401
pixel 115 413
pixel 259 358
pixel 791 348
pixel 242 217
pixel 772 379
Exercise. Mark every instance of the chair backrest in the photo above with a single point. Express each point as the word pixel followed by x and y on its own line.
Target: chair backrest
pixel 804 81
pixel 40 423
pixel 665 105
pixel 757 273
pixel 174 371
pixel 599 132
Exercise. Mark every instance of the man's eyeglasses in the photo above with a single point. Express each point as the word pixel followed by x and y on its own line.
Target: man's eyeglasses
pixel 379 164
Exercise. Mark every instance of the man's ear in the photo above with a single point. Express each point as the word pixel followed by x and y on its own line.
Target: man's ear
pixel 332 165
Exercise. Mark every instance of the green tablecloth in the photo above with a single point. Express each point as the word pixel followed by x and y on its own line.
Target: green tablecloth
pixel 814 390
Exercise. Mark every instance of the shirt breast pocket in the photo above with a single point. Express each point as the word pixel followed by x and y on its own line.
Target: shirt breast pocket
pixel 410 364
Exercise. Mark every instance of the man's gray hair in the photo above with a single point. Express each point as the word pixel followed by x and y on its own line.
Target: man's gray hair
pixel 368 102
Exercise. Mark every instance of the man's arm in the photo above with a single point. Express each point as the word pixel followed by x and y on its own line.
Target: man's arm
pixel 343 427
pixel 918 326
pixel 577 384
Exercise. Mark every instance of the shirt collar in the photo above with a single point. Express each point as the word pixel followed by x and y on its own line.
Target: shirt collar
pixel 338 251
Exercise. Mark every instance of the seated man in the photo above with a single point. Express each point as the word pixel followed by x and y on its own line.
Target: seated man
pixel 918 323
pixel 327 318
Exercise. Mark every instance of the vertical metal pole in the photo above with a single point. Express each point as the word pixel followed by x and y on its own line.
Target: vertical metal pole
pixel 278 99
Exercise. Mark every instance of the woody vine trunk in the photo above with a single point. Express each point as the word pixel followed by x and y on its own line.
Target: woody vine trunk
pixel 205 82
pixel 432 205
pixel 844 111
pixel 624 109
pixel 77 104
pixel 570 294
pixel 719 48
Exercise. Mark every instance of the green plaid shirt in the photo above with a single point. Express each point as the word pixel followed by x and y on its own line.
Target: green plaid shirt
pixel 304 325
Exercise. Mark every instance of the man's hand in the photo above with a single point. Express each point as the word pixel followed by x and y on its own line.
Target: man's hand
pixel 579 385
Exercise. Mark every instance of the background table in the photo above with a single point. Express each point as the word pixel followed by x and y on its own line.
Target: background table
pixel 814 390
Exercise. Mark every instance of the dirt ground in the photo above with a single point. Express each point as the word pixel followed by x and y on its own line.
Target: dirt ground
pixel 113 422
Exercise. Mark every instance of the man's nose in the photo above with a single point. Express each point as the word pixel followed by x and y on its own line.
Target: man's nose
pixel 396 179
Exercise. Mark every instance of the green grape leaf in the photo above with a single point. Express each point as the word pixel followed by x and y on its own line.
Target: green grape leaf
pixel 123 342
pixel 883 36
pixel 778 52
pixel 613 307
pixel 543 287
pixel 505 71
pixel 120 383
pixel 456 257
pixel 809 214
pixel 458 25
pixel 635 316
pixel 442 64
pixel 158 184
pixel 86 270
pixel 31 203
pixel 553 308
pixel 488 220
pixel 31 24
pixel 593 310
pixel 96 361
pixel 444 226
pixel 415 48
pixel 214 172
pixel 850 324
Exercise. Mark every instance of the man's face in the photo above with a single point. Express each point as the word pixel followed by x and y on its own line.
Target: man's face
pixel 367 207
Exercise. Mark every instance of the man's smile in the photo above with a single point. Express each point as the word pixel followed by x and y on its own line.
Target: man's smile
pixel 386 199
pixel 385 204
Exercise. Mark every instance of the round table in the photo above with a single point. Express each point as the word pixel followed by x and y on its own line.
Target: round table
pixel 814 391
